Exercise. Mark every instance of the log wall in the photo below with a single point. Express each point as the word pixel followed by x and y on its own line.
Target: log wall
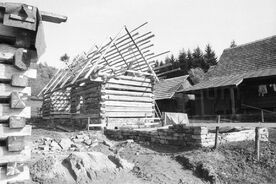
pixel 122 101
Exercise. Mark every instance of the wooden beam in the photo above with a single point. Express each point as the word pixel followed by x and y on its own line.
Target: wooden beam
pixel 21 156
pixel 127 104
pixel 102 55
pixel 7 71
pixel 129 114
pixel 245 124
pixel 202 102
pixel 17 122
pixel 126 93
pixel 6 90
pixel 127 98
pixel 5 131
pixel 15 143
pixel 6 112
pixel 129 109
pixel 19 80
pixel 152 71
pixel 131 88
pixel 18 100
pixel 51 17
pixel 232 96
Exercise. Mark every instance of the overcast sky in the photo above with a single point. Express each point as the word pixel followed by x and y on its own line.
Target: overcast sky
pixel 177 24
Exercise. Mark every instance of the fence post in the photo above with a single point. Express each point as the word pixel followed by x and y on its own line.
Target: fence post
pixel 217 132
pixel 257 137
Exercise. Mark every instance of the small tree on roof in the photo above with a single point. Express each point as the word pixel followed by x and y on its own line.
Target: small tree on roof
pixel 233 44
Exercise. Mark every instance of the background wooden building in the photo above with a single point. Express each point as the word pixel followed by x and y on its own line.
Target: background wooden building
pixel 243 81
pixel 168 100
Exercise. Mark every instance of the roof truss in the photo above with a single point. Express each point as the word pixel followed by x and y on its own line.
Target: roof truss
pixel 127 52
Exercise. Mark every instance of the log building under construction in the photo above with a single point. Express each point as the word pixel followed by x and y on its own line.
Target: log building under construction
pixel 111 86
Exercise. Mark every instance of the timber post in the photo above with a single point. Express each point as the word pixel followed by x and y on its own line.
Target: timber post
pixel 217 132
pixel 20 46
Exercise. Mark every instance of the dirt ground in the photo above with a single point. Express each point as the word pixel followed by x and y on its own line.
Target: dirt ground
pixel 231 163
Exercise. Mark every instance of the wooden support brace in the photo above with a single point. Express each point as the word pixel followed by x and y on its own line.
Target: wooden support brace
pixel 257 142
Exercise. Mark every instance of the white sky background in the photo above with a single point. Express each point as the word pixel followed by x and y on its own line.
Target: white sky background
pixel 177 24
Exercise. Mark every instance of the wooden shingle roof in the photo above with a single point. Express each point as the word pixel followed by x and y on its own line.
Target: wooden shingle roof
pixel 166 89
pixel 257 55
pixel 251 60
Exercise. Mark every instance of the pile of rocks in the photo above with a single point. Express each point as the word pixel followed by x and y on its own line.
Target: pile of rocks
pixel 79 142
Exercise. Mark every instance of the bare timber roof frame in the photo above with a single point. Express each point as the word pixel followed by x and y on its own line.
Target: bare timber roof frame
pixel 127 52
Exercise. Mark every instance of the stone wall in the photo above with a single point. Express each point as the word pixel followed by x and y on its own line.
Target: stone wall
pixel 182 135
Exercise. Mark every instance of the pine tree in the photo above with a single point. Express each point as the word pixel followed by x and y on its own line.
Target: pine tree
pixel 210 56
pixel 172 59
pixel 167 60
pixel 189 59
pixel 198 60
pixel 183 61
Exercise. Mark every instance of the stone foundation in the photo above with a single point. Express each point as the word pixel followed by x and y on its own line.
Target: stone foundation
pixel 182 135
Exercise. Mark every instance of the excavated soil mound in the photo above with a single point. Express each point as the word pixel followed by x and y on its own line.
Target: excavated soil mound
pixel 49 170
pixel 83 168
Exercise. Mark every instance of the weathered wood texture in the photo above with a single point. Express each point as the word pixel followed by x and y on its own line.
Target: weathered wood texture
pixel 6 132
pixel 20 156
pixel 122 97
pixel 6 112
pixel 21 178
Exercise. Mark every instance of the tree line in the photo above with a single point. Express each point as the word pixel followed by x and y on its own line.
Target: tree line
pixel 187 62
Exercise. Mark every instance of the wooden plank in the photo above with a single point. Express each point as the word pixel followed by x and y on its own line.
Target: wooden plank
pixel 266 125
pixel 133 78
pixel 128 114
pixel 129 82
pixel 6 72
pixel 51 17
pixel 126 93
pixel 6 89
pixel 17 122
pixel 22 177
pixel 127 98
pixel 130 109
pixel 127 104
pixel 6 112
pixel 6 132
pixel 21 156
pixel 129 88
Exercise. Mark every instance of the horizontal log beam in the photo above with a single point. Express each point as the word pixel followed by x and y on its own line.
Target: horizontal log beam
pixel 21 156
pixel 128 114
pixel 6 132
pixel 126 93
pixel 265 125
pixel 127 98
pixel 6 90
pixel 127 104
pixel 6 112
pixel 129 88
pixel 6 72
